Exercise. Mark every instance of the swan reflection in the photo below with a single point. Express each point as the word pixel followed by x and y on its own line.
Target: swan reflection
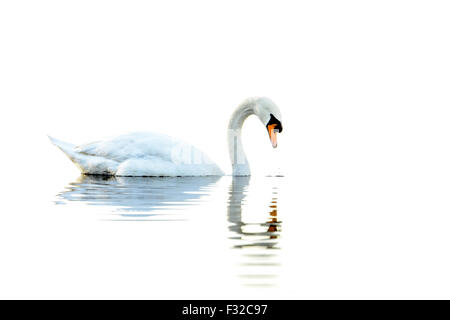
pixel 254 227
pixel 258 240
pixel 138 198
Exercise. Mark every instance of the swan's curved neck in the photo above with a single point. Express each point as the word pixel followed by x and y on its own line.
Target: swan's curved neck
pixel 235 148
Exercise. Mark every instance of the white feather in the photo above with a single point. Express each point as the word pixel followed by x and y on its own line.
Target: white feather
pixel 154 154
pixel 140 154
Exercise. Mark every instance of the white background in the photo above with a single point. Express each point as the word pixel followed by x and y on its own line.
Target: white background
pixel 363 87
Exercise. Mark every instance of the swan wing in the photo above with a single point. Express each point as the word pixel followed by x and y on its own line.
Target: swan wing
pixel 139 145
pixel 140 154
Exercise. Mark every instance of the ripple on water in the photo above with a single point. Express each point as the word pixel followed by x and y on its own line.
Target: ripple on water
pixel 255 241
pixel 138 198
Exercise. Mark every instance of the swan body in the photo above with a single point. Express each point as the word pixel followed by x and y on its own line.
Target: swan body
pixel 140 154
pixel 155 154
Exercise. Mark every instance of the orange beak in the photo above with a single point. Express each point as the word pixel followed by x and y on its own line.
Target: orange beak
pixel 272 134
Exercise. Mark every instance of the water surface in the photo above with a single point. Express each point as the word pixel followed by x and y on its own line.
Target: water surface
pixel 252 234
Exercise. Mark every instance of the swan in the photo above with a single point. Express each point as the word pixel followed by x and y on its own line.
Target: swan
pixel 153 154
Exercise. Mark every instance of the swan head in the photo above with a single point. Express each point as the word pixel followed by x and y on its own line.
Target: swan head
pixel 270 115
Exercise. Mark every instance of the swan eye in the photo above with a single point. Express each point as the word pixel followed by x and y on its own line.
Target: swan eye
pixel 273 127
pixel 274 123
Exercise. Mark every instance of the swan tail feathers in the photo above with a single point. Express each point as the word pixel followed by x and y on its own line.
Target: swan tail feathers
pixel 69 150
pixel 88 164
pixel 64 146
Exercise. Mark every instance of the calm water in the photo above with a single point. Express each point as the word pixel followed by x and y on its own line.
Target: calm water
pixel 252 232
pixel 322 233
pixel 304 236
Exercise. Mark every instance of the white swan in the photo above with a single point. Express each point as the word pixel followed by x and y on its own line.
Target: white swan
pixel 154 154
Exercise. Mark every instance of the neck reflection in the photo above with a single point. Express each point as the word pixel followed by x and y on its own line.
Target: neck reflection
pixel 256 235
